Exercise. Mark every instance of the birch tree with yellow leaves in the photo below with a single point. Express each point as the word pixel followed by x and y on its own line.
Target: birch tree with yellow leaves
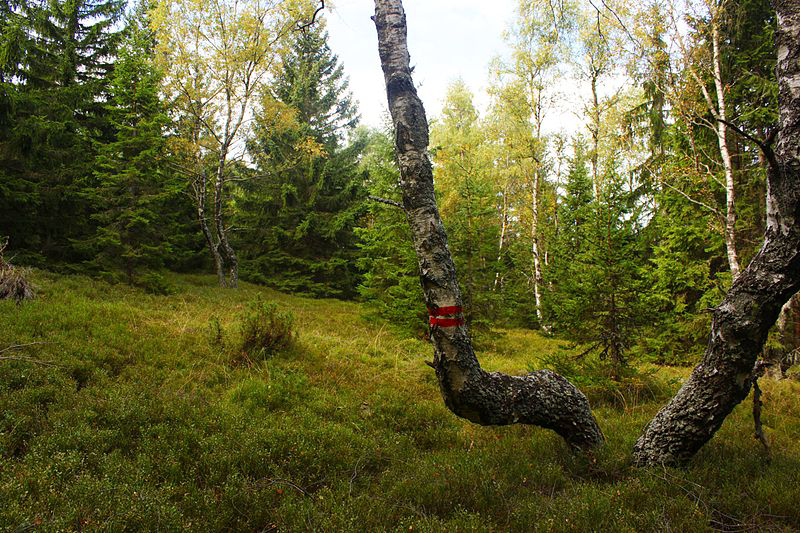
pixel 217 56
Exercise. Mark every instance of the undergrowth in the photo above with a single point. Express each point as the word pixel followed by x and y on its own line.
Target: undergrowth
pixel 264 330
pixel 14 282
pixel 603 384
pixel 129 416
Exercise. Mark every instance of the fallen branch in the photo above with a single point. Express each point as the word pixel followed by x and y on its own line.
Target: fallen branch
pixel 27 360
pixel 266 482
pixel 20 346
pixel 23 358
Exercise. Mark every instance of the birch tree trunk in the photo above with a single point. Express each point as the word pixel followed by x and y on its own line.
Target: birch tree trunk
pixel 594 129
pixel 722 138
pixel 741 322
pixel 225 247
pixel 542 398
pixel 501 244
pixel 200 191
pixel 537 265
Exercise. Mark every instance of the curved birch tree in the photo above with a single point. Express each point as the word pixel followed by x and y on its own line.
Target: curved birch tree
pixel 543 398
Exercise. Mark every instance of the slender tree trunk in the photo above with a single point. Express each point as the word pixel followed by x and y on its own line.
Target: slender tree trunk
pixel 200 191
pixel 219 223
pixel 741 322
pixel 779 359
pixel 722 138
pixel 595 131
pixel 537 266
pixel 541 398
pixel 497 279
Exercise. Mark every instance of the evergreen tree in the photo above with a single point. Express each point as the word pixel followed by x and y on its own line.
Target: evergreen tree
pixel 302 211
pixel 135 195
pixel 391 276
pixel 56 58
pixel 467 199
pixel 689 274
pixel 600 298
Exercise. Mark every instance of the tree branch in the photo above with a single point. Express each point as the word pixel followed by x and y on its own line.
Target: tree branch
pixel 21 346
pixel 304 27
pixel 385 201
pixel 696 202
pixel 765 146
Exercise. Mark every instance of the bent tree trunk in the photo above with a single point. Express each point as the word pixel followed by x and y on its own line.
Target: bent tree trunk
pixel 542 398
pixel 741 322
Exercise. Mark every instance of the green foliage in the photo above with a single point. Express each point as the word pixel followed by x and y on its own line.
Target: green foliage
pixel 686 280
pixel 605 384
pixel 263 332
pixel 467 198
pixel 54 71
pixel 387 258
pixel 748 27
pixel 135 197
pixel 143 423
pixel 155 283
pixel 302 208
pixel 599 295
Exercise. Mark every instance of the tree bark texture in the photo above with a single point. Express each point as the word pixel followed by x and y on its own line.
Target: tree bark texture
pixel 594 129
pixel 501 244
pixel 537 265
pixel 226 250
pixel 542 398
pixel 741 322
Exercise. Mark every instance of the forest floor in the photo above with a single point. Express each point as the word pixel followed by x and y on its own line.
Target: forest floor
pixel 134 412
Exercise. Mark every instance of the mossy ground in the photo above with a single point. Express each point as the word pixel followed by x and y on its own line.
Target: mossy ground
pixel 147 424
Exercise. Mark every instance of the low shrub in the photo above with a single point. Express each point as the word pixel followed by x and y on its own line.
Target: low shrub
pixel 216 335
pixel 155 283
pixel 14 284
pixel 596 378
pixel 264 330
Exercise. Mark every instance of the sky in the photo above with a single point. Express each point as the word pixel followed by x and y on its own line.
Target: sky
pixel 447 39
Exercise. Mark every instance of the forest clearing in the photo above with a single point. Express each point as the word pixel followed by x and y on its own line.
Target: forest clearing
pixel 145 419
pixel 226 304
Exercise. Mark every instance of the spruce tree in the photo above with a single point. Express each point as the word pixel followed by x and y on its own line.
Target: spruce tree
pixel 135 193
pixel 467 198
pixel 391 274
pixel 600 298
pixel 56 59
pixel 301 212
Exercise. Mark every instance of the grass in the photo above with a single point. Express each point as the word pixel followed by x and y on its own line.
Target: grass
pixel 146 423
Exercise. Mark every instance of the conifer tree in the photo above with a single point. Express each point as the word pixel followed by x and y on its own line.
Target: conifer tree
pixel 386 257
pixel 56 58
pixel 135 194
pixel 301 212
pixel 467 198
pixel 600 300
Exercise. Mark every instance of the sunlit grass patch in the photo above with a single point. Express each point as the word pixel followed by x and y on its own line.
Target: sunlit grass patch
pixel 143 423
